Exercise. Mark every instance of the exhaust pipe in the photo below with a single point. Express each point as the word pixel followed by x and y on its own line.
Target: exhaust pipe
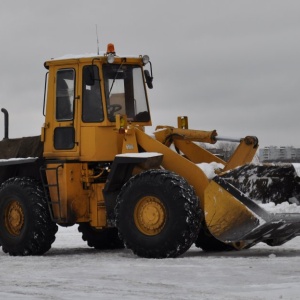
pixel 5 123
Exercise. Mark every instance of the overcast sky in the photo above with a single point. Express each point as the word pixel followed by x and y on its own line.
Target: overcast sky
pixel 233 66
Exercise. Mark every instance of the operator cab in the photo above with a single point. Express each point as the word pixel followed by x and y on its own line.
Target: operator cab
pixel 84 94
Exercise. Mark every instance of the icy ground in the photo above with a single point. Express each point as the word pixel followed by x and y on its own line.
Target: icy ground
pixel 72 270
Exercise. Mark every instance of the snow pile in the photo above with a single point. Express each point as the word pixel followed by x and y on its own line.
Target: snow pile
pixel 284 207
pixel 16 159
pixel 87 55
pixel 140 154
pixel 290 206
pixel 210 168
pixel 75 56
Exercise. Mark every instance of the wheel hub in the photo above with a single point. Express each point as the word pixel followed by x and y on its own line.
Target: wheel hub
pixel 150 215
pixel 14 218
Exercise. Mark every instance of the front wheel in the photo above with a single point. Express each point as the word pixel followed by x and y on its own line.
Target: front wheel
pixel 26 227
pixel 158 214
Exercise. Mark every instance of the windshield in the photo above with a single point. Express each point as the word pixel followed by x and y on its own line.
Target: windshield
pixel 125 92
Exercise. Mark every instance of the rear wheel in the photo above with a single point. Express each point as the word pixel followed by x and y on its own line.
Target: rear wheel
pixel 26 227
pixel 158 214
pixel 207 242
pixel 107 238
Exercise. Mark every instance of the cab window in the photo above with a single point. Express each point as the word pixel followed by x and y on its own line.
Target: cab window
pixel 65 88
pixel 125 92
pixel 92 110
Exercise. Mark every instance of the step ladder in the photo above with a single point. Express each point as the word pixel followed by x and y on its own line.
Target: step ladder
pixel 54 188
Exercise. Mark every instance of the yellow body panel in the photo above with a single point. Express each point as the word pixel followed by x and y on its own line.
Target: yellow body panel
pixel 69 200
pixel 72 200
pixel 97 206
pixel 98 143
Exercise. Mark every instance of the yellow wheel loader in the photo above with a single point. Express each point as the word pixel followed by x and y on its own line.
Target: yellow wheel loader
pixel 94 165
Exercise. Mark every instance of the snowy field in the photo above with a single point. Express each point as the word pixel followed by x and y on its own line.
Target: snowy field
pixel 72 270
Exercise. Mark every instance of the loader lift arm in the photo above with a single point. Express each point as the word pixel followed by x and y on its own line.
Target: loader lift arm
pixel 183 139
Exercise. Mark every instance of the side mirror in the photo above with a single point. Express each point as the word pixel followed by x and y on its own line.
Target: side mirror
pixel 149 79
pixel 88 73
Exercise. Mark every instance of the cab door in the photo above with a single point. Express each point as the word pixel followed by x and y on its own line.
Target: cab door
pixel 61 129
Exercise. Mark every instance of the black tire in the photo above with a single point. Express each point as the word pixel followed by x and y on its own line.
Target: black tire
pixel 208 243
pixel 158 214
pixel 26 227
pixel 102 239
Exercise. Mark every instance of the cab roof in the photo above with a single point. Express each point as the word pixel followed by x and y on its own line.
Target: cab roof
pixel 109 56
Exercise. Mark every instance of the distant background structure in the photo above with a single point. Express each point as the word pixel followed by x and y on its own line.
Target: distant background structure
pixel 282 154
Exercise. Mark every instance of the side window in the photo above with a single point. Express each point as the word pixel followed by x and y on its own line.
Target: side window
pixel 64 138
pixel 65 88
pixel 92 110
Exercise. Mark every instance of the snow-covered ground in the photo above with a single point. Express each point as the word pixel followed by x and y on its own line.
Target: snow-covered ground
pixel 72 270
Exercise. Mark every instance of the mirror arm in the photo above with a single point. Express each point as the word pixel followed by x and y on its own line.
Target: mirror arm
pixel 151 69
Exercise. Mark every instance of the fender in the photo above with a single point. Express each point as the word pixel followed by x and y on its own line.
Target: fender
pixel 121 170
pixel 20 167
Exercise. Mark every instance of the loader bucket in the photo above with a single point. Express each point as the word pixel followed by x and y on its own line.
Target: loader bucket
pixel 234 218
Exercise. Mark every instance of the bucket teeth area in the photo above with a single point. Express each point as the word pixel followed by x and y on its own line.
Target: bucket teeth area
pixel 233 217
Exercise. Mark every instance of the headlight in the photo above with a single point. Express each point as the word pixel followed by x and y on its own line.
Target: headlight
pixel 145 59
pixel 110 58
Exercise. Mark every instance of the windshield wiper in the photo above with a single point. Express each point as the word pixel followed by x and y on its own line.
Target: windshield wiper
pixel 112 84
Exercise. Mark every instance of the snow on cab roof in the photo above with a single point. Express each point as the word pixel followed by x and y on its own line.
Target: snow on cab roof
pixel 75 56
pixel 87 55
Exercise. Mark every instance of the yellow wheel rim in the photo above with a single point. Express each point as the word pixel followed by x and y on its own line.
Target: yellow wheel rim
pixel 14 218
pixel 150 215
